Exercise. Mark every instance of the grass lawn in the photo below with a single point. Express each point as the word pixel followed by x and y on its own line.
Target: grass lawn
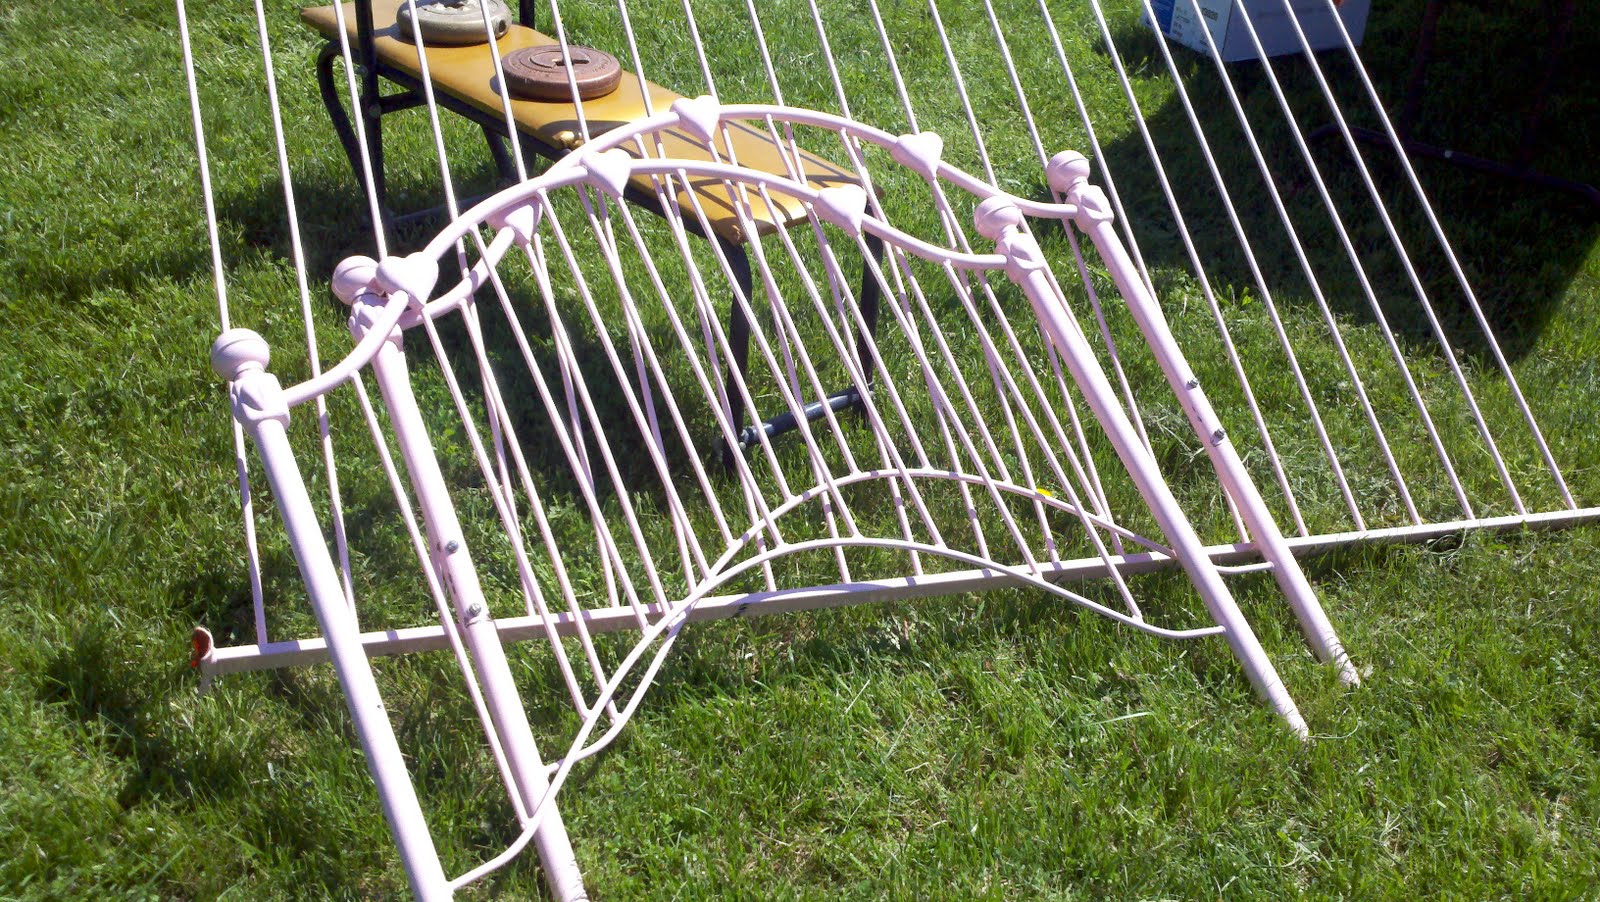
pixel 1000 745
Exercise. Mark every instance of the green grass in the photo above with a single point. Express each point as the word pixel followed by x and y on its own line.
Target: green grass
pixel 995 745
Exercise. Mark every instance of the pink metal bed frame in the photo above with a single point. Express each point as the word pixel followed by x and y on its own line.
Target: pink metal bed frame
pixel 398 295
pixel 969 464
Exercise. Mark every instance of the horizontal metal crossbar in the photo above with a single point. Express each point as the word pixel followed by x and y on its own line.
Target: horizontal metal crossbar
pixel 214 661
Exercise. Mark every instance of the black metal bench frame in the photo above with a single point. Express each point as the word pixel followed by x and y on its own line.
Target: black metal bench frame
pixel 372 105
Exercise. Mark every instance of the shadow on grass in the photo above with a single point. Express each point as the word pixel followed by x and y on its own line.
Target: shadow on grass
pixel 92 678
pixel 1520 245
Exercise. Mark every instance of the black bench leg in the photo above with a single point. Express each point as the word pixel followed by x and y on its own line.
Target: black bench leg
pixel 868 299
pixel 739 346
pixel 871 294
pixel 504 162
pixel 369 110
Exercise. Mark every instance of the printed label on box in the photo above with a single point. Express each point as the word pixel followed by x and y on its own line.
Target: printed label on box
pixel 1177 19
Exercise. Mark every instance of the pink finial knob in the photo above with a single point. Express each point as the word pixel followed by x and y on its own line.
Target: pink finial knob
pixel 996 216
pixel 1066 169
pixel 237 351
pixel 353 276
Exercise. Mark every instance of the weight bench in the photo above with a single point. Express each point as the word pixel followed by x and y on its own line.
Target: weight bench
pixel 464 82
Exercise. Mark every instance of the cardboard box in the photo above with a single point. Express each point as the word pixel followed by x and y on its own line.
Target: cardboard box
pixel 1178 21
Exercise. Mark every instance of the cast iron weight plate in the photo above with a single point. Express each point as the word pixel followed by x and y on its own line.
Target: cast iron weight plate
pixel 453 23
pixel 540 73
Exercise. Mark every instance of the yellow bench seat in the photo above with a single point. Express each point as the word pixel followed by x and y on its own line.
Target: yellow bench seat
pixel 467 74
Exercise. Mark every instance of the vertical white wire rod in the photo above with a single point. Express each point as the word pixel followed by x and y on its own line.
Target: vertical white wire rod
pixel 1083 474
pixel 993 365
pixel 785 326
pixel 469 319
pixel 642 419
pixel 448 542
pixel 1116 368
pixel 1271 305
pixel 1426 305
pixel 606 235
pixel 850 145
pixel 935 387
pixel 607 454
pixel 1090 471
pixel 699 47
pixel 714 387
pixel 961 91
pixel 717 336
pixel 1016 81
pixel 219 284
pixel 207 198
pixel 789 338
pixel 1187 238
pixel 894 66
pixel 533 595
pixel 717 347
pixel 1315 283
pixel 855 370
pixel 513 134
pixel 252 549
pixel 792 159
pixel 297 254
pixel 430 575
pixel 1102 162
pixel 664 296
pixel 1105 329
pixel 1455 264
pixel 1112 354
pixel 435 126
pixel 552 546
pixel 1126 224
pixel 583 467
pixel 447 181
pixel 568 425
pixel 739 200
pixel 942 413
pixel 645 420
pixel 788 148
pixel 958 239
pixel 633 52
pixel 794 402
pixel 964 391
pixel 240 357
pixel 645 416
pixel 571 73
pixel 851 351
pixel 909 321
pixel 369 181
pixel 1359 270
pixel 1042 442
pixel 828 58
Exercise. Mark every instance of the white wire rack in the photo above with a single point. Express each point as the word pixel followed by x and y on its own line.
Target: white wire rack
pixel 664 384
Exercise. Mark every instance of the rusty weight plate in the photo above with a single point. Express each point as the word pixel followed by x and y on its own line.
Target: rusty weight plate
pixel 540 73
